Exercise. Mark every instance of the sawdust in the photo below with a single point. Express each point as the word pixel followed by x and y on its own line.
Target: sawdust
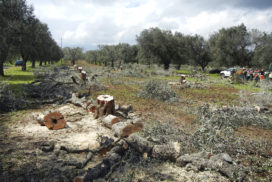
pixel 83 133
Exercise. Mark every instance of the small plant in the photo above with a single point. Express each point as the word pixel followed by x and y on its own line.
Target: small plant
pixel 155 89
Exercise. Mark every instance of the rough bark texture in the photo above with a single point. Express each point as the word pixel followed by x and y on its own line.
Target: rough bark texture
pixel 139 143
pixel 54 121
pixel 169 151
pixel 80 102
pixel 105 106
pixel 1 68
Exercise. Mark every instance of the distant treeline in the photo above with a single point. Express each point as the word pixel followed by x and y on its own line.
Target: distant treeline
pixel 234 46
pixel 22 35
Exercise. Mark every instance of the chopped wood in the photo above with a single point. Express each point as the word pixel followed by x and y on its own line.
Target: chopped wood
pixel 170 151
pixel 54 121
pixel 124 129
pixel 182 79
pixel 80 102
pixel 101 170
pixel 80 164
pixel 139 143
pixel 110 120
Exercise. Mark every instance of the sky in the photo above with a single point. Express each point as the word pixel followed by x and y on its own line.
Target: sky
pixel 88 23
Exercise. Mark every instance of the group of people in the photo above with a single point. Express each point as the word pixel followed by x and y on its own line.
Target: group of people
pixel 250 74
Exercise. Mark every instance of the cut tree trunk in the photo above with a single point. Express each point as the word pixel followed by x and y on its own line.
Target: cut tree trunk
pixel 110 120
pixel 125 129
pixel 83 75
pixel 54 121
pixel 1 68
pixel 105 106
pixel 33 64
pixel 79 69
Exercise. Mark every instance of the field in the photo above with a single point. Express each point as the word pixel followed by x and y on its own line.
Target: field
pixel 206 113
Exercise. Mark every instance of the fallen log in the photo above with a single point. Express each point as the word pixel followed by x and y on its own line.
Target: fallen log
pixel 170 151
pixel 80 102
pixel 100 170
pixel 139 143
pixel 124 129
pixel 110 120
pixel 105 106
pixel 79 164
pixel 54 121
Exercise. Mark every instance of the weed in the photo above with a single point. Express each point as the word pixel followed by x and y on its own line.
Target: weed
pixel 155 89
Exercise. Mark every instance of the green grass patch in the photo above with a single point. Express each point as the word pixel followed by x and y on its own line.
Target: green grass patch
pixel 185 72
pixel 250 86
pixel 15 75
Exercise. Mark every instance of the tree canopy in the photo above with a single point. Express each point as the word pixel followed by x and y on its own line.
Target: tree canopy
pixel 23 35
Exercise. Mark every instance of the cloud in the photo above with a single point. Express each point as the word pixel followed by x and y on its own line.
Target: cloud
pixel 87 23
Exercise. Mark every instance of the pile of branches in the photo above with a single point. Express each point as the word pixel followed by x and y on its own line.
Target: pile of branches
pixel 54 85
pixel 9 100
pixel 218 127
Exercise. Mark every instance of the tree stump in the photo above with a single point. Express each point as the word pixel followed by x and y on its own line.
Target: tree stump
pixel 54 121
pixel 110 120
pixel 83 75
pixel 182 79
pixel 79 69
pixel 105 106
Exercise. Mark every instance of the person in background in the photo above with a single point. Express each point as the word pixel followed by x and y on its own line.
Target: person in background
pixel 251 74
pixel 245 74
pixel 262 72
pixel 256 75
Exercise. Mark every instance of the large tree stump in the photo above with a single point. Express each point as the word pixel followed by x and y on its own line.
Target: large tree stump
pixel 54 121
pixel 105 106
pixel 182 79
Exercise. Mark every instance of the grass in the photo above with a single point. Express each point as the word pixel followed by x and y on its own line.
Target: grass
pixel 15 75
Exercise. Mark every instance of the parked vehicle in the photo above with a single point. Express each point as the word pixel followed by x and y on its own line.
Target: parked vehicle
pixel 19 63
pixel 227 73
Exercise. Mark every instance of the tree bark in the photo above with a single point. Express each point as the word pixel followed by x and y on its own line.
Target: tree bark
pixel 33 64
pixel 40 63
pixel 24 65
pixel 2 68
pixel 105 106
pixel 73 62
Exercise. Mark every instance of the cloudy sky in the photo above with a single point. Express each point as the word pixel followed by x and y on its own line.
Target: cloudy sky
pixel 87 23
